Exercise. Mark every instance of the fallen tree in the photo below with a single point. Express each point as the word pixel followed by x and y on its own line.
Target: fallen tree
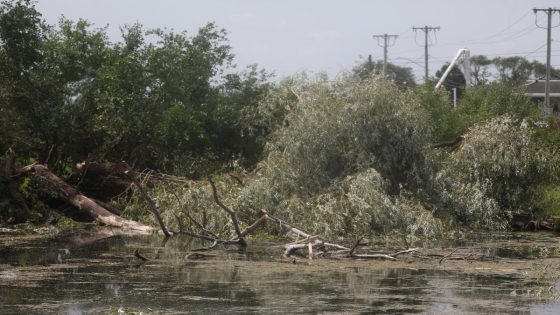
pixel 84 204
pixel 313 246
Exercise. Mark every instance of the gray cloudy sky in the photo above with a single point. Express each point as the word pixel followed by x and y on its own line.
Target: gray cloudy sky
pixel 288 36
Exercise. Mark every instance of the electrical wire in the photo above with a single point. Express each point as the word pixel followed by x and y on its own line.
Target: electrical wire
pixel 500 36
pixel 534 51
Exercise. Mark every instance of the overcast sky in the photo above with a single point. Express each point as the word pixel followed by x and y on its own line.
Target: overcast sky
pixel 287 36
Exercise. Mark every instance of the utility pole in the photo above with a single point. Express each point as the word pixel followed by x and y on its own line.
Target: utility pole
pixel 426 30
pixel 386 43
pixel 548 12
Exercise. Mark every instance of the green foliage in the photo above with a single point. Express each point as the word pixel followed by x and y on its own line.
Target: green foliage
pixel 177 202
pixel 549 203
pixel 342 156
pixel 352 159
pixel 158 99
pixel 498 170
pixel 484 102
pixel 513 70
pixel 402 76
pixel 446 122
pixel 476 105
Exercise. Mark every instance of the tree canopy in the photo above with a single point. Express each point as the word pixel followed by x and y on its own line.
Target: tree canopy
pixel 396 74
pixel 152 99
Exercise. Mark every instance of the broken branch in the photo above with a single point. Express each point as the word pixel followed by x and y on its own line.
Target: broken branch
pixel 151 204
pixel 231 213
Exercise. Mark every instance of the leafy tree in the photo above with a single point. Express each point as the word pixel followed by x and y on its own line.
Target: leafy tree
pixel 480 73
pixel 240 126
pixel 454 80
pixel 70 94
pixel 396 74
pixel 22 35
pixel 513 69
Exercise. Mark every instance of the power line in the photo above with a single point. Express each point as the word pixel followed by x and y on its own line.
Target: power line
pixel 549 12
pixel 386 43
pixel 500 36
pixel 534 51
pixel 509 26
pixel 426 29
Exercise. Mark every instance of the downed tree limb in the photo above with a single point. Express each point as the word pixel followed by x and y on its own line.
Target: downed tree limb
pixel 139 256
pixel 453 144
pixel 286 225
pixel 406 251
pixel 308 244
pixel 191 218
pixel 392 256
pixel 373 256
pixel 448 255
pixel 356 244
pixel 85 204
pixel 152 206
pixel 231 213
pixel 237 179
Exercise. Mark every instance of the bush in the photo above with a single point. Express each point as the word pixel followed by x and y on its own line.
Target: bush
pixel 496 172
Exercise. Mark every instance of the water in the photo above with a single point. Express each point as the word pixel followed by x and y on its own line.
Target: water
pixel 46 277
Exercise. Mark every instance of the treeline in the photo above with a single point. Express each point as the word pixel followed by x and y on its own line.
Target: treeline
pixel 156 99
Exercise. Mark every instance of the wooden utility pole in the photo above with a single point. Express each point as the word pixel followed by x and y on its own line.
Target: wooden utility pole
pixel 426 30
pixel 386 43
pixel 548 12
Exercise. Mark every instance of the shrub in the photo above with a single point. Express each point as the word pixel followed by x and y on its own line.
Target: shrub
pixel 497 171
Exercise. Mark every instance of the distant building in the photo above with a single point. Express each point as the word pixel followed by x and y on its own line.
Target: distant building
pixel 535 90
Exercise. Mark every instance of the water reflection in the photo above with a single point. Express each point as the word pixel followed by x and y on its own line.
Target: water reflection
pixel 104 276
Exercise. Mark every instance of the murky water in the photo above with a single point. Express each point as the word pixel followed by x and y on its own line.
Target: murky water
pixel 46 277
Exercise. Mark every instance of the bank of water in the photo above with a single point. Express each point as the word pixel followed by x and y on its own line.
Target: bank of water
pixel 39 275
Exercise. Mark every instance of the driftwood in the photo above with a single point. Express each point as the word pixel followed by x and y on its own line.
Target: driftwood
pixel 392 256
